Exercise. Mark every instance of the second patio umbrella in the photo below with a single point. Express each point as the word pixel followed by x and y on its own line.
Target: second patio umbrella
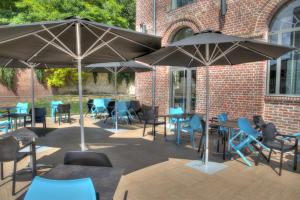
pixel 213 48
pixel 115 68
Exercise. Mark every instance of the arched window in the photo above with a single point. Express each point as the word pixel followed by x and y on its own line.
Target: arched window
pixel 284 73
pixel 182 33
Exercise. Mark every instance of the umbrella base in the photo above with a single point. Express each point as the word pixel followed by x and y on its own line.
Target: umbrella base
pixel 210 168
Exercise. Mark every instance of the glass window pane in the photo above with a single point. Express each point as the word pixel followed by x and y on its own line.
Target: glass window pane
pixel 193 90
pixel 180 3
pixel 182 33
pixel 272 76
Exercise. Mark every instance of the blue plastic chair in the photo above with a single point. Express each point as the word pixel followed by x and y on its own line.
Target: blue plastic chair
pixel 106 101
pixel 48 189
pixel 54 105
pixel 176 111
pixel 244 139
pixel 194 125
pixel 21 108
pixel 122 112
pixel 4 126
pixel 99 107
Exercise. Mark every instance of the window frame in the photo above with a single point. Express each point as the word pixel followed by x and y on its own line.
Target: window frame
pixel 279 34
pixel 171 5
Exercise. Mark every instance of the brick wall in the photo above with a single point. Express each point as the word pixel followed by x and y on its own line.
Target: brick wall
pixel 238 90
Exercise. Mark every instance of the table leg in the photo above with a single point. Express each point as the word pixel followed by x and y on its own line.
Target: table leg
pixel 178 131
pixel 165 128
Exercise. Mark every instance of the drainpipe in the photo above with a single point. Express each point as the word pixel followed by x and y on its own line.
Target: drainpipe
pixel 154 67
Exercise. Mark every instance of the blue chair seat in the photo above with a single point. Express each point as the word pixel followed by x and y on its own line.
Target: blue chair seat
pixel 48 189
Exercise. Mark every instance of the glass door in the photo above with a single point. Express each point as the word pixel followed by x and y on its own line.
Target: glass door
pixel 183 89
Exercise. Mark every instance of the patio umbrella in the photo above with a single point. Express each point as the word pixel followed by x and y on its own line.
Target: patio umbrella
pixel 213 48
pixel 73 42
pixel 115 68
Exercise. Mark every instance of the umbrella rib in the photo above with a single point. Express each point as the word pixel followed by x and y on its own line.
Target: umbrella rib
pixel 41 49
pixel 230 49
pixel 213 53
pixel 28 34
pixel 200 54
pixel 98 38
pixel 191 55
pixel 191 60
pixel 162 58
pixel 55 45
pixel 99 46
pixel 101 38
pixel 124 37
pixel 225 56
pixel 256 51
pixel 10 60
pixel 56 38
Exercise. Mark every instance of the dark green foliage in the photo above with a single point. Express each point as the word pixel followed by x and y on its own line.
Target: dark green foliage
pixel 7 77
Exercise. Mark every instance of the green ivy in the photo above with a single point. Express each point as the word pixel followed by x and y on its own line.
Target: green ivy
pixel 7 77
pixel 128 77
pixel 40 75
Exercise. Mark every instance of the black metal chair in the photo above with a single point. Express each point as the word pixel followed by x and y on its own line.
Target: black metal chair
pixel 64 110
pixel 40 116
pixel 150 117
pixel 202 139
pixel 258 122
pixel 87 158
pixel 276 141
pixel 10 151
pixel 135 109
pixel 110 108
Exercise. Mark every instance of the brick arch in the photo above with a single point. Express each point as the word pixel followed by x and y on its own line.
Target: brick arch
pixel 268 11
pixel 177 25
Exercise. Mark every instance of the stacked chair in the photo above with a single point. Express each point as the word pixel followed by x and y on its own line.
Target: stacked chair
pixel 99 107
pixel 195 124
pixel 54 105
pixel 122 113
pixel 64 113
pixel 245 138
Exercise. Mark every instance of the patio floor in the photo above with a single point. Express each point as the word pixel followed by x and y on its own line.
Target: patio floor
pixel 156 170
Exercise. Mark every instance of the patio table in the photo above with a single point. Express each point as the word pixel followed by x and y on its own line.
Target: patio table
pixel 16 116
pixel 178 116
pixel 7 108
pixel 105 179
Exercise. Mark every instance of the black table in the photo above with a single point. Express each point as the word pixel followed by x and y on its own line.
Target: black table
pixel 7 108
pixel 105 179
pixel 16 116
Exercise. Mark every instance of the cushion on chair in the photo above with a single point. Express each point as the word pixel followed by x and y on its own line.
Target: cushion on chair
pixel 48 189
pixel 87 158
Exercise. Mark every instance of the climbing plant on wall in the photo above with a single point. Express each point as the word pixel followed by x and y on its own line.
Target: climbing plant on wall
pixel 7 77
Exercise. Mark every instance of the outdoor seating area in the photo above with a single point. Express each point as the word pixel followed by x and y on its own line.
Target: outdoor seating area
pixel 192 124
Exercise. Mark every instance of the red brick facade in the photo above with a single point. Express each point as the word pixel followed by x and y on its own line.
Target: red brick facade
pixel 238 90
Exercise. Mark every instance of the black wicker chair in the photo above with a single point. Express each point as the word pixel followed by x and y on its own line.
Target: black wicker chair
pixel 276 141
pixel 40 116
pixel 64 110
pixel 150 118
pixel 10 151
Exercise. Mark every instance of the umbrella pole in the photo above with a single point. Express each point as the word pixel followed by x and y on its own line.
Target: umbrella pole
pixel 32 96
pixel 79 58
pixel 207 104
pixel 153 91
pixel 116 94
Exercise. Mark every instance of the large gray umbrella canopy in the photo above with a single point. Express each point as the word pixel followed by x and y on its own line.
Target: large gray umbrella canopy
pixel 213 48
pixel 73 42
pixel 116 68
